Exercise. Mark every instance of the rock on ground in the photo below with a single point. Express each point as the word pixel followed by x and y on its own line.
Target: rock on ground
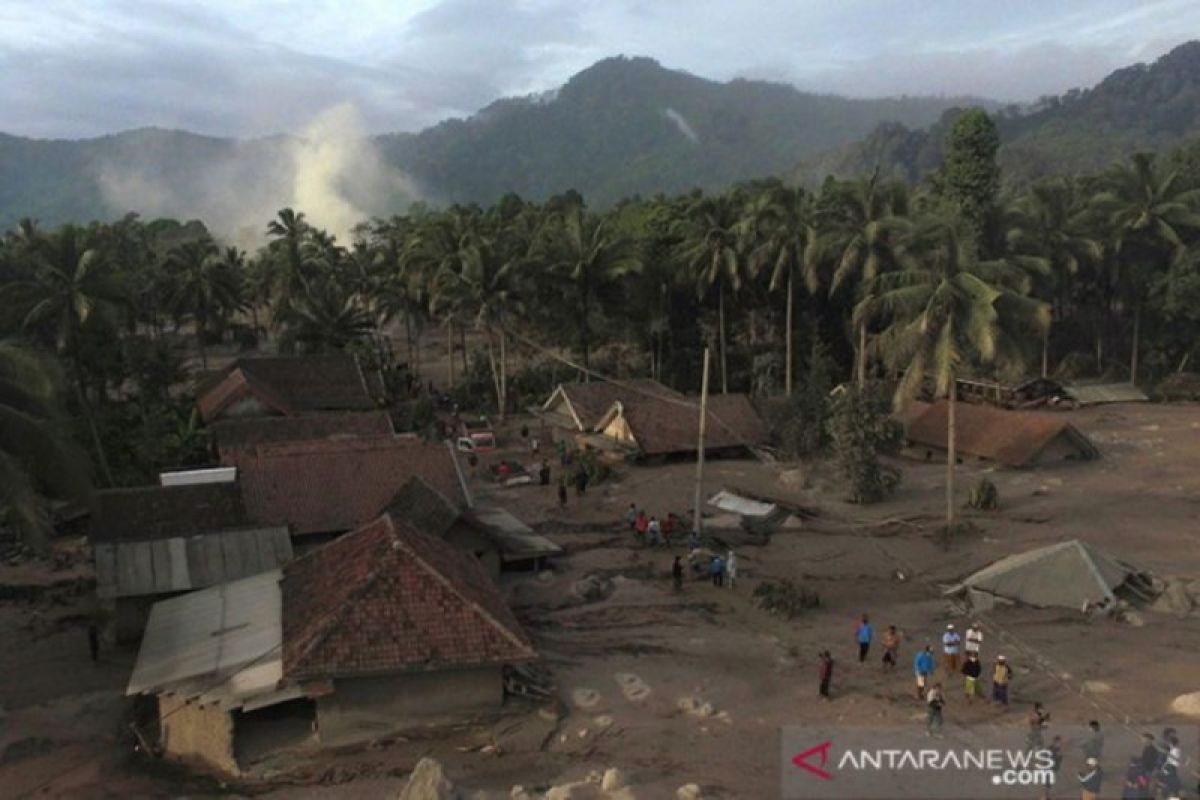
pixel 1187 704
pixel 428 782
pixel 688 791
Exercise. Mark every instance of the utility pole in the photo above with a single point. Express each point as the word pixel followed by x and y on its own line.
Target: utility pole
pixel 696 524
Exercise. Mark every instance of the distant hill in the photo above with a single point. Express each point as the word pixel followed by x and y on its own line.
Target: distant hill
pixel 623 126
pixel 1143 107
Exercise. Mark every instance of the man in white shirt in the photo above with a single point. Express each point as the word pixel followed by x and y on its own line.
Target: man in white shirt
pixel 974 641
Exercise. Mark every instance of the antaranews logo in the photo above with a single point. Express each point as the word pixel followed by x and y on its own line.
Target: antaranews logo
pixel 821 751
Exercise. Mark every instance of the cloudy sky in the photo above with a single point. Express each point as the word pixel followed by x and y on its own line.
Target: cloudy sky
pixel 71 68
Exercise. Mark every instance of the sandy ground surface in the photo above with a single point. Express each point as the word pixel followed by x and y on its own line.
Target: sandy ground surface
pixel 623 663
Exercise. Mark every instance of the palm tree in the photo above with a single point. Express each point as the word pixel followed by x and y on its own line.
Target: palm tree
pixel 326 318
pixel 206 284
pixel 1045 234
pixel 945 311
pixel 588 255
pixel 784 222
pixel 870 220
pixel 37 457
pixel 712 251
pixel 289 232
pixel 1147 209
pixel 71 287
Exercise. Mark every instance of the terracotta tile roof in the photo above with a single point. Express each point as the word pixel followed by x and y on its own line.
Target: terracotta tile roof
pixel 292 385
pixel 590 401
pixel 165 512
pixel 386 599
pixel 1013 438
pixel 235 433
pixel 424 508
pixel 334 485
pixel 661 427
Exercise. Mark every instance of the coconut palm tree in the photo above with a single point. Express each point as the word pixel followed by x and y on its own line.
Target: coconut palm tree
pixel 1046 233
pixel 38 459
pixel 206 284
pixel 945 311
pixel 782 221
pixel 289 233
pixel 328 317
pixel 1148 209
pixel 586 254
pixel 869 220
pixel 712 251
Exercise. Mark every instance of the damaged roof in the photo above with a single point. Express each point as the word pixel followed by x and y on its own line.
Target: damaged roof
pixel 664 426
pixel 586 403
pixel 335 485
pixel 1013 438
pixel 249 431
pixel 162 512
pixel 424 508
pixel 292 385
pixel 387 598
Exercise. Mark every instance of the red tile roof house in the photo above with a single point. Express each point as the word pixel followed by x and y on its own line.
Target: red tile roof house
pixel 325 487
pixel 666 426
pixel 231 435
pixel 289 386
pixel 383 630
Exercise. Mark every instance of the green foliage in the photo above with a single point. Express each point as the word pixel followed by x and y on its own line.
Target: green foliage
pixel 984 496
pixel 798 423
pixel 785 598
pixel 970 178
pixel 860 428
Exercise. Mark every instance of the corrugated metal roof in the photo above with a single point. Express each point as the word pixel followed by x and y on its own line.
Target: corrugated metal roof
pixel 515 538
pixel 161 566
pixel 728 501
pixel 1087 394
pixel 1064 574
pixel 230 631
pixel 1014 438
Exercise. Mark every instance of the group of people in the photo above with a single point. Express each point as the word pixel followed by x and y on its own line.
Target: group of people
pixel 649 529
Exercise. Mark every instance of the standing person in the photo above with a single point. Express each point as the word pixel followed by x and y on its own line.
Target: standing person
pixel 693 540
pixel 562 492
pixel 1001 676
pixel 716 568
pixel 825 674
pixel 631 517
pixel 677 574
pixel 971 670
pixel 93 634
pixel 1136 786
pixel 1150 756
pixel 934 702
pixel 1093 745
pixel 581 481
pixel 951 647
pixel 668 528
pixel 640 526
pixel 534 444
pixel 1037 720
pixel 891 647
pixel 922 669
pixel 863 634
pixel 1090 779
pixel 731 567
pixel 544 473
pixel 1056 759
pixel 974 640
pixel 654 531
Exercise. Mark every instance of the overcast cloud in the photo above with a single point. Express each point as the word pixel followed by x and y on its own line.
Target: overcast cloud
pixel 71 68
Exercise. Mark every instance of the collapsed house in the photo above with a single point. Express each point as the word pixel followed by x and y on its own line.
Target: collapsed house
pixel 322 488
pixel 1011 438
pixel 1090 394
pixel 1070 574
pixel 383 630
pixel 579 407
pixel 494 536
pixel 266 386
pixel 758 513
pixel 664 426
pixel 154 542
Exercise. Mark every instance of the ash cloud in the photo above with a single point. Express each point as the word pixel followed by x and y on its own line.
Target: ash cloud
pixel 331 171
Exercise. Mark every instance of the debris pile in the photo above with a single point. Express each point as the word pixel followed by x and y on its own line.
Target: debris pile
pixel 785 598
pixel 984 496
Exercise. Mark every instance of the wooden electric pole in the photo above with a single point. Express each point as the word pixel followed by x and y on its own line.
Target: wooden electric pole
pixel 696 524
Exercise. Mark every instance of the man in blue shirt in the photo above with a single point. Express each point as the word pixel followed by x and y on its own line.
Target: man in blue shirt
pixel 716 568
pixel 922 669
pixel 862 635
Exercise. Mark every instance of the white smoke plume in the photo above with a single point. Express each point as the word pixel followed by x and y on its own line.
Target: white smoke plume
pixel 683 125
pixel 331 171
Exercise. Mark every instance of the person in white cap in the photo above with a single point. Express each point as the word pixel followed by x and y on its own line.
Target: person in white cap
pixel 1090 778
pixel 951 648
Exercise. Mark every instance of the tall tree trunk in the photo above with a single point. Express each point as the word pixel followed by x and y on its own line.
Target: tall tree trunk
pixel 861 377
pixel 1099 351
pixel 787 350
pixel 495 367
pixel 408 342
pixel 200 341
pixel 450 348
pixel 503 376
pixel 86 409
pixel 1046 353
pixel 1137 329
pixel 951 457
pixel 721 332
pixel 584 336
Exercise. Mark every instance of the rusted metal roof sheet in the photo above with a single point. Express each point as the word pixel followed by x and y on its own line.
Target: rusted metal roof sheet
pixel 1013 438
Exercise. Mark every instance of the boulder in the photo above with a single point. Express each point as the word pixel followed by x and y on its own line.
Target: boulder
pixel 613 780
pixel 591 588
pixel 689 791
pixel 1187 704
pixel 695 706
pixel 1176 598
pixel 428 782
pixel 580 790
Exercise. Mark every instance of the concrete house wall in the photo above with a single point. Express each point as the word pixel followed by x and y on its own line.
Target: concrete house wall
pixel 364 708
